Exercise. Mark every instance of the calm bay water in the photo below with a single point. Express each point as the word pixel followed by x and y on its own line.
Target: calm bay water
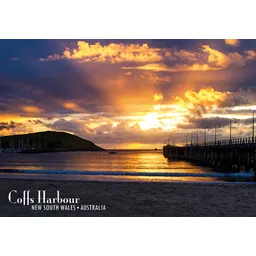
pixel 101 166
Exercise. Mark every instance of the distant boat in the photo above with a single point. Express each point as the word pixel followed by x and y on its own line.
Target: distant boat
pixel 112 152
pixel 155 148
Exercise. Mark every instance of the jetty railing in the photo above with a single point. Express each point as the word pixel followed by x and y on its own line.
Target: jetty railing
pixel 235 141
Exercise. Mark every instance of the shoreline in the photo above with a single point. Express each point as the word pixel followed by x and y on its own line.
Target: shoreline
pixel 214 183
pixel 176 199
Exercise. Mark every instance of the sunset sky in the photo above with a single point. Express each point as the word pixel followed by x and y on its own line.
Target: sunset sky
pixel 127 93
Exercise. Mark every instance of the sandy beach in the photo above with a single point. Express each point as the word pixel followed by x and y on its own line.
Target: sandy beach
pixel 136 199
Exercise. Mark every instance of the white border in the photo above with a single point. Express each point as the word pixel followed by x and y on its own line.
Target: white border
pixel 127 19
pixel 115 19
pixel 127 236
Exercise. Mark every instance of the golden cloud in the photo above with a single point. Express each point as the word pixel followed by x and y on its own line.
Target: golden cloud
pixel 202 101
pixel 232 42
pixel 216 61
pixel 207 100
pixel 116 53
pixel 32 109
pixel 151 58
pixel 205 96
pixel 73 106
pixel 113 53
pixel 158 97
pixel 215 57
pixel 157 67
pixel 221 60
pixel 155 79
pixel 151 67
pixel 251 55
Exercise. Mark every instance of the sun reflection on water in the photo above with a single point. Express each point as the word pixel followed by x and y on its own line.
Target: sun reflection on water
pixel 123 161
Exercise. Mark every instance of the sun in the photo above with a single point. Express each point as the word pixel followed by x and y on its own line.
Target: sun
pixel 149 121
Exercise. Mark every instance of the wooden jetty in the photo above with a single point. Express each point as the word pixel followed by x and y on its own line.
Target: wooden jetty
pixel 231 155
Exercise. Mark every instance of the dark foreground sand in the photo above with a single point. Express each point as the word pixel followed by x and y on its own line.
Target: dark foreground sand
pixel 138 199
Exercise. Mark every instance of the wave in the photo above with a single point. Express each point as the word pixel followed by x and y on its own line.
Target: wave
pixel 125 173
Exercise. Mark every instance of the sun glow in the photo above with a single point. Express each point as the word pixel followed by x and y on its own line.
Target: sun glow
pixel 149 121
pixel 166 121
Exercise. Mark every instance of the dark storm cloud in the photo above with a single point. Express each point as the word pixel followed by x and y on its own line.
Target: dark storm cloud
pixel 8 126
pixel 211 122
pixel 64 125
pixel 243 96
pixel 46 85
pixel 201 123
pixel 48 93
pixel 36 121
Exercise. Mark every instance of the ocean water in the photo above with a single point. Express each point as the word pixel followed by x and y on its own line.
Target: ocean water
pixel 125 166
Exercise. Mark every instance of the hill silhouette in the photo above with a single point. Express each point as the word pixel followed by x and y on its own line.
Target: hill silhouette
pixel 49 141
